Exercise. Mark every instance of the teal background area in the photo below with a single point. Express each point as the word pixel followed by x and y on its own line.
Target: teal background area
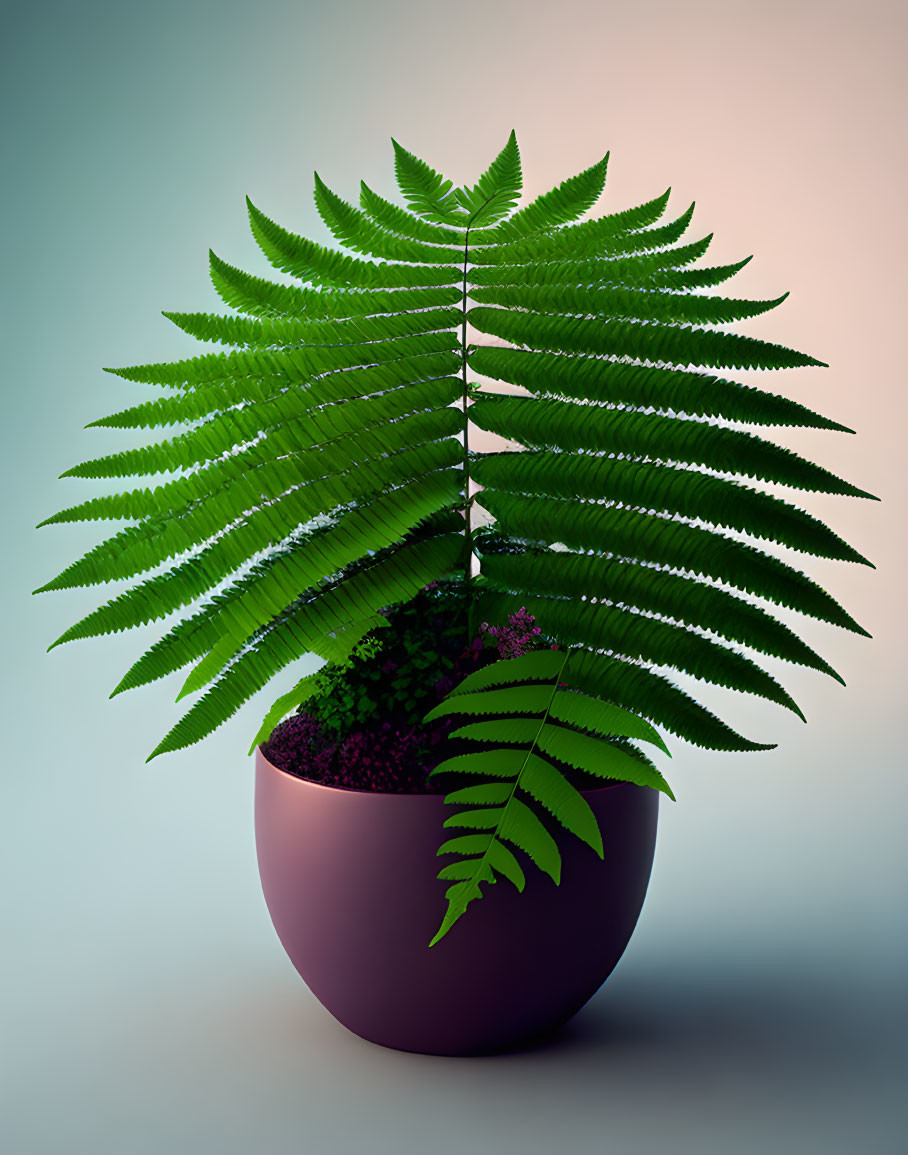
pixel 149 1008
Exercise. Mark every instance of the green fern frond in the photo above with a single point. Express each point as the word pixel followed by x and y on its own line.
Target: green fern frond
pixel 593 237
pixel 295 366
pixel 664 489
pixel 563 801
pixel 567 245
pixel 636 636
pixel 465 869
pixel 570 200
pixel 646 240
pixel 257 296
pixel 566 426
pixel 498 189
pixel 280 333
pixel 430 195
pixel 656 697
pixel 343 385
pixel 281 646
pixel 260 298
pixel 274 516
pixel 621 583
pixel 382 522
pixel 188 641
pixel 567 746
pixel 663 542
pixel 484 794
pixel 304 689
pixel 633 304
pixel 354 230
pixel 624 221
pixel 316 471
pixel 397 220
pixel 580 710
pixel 681 345
pixel 516 823
pixel 187 408
pixel 257 507
pixel 258 475
pixel 278 419
pixel 640 271
pixel 682 279
pixel 539 729
pixel 329 625
pixel 311 262
pixel 191 638
pixel 643 386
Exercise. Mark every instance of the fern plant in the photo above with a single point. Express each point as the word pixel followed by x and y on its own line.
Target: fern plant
pixel 320 470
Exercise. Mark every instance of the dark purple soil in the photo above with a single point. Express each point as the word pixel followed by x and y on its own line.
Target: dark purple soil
pixel 389 760
pixel 394 756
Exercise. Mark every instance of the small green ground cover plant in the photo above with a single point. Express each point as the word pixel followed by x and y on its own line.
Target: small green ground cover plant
pixel 320 489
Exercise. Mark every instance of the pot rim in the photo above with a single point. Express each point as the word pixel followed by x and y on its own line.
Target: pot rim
pixel 609 785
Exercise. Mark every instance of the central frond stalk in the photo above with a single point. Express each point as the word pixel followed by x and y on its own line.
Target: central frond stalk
pixel 468 511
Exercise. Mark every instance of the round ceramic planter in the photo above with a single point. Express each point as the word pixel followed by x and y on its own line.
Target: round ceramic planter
pixel 350 881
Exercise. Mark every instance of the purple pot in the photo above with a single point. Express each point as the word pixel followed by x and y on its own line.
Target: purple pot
pixel 350 881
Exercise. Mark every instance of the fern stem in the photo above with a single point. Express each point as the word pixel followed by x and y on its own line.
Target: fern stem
pixel 468 511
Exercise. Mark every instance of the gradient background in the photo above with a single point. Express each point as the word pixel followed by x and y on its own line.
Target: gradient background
pixel 150 1009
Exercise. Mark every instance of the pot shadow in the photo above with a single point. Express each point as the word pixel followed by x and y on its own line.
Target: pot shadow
pixel 760 1023
pixel 726 1028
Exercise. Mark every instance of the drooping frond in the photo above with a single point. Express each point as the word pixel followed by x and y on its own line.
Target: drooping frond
pixel 534 729
pixel 193 637
pixel 280 646
pixel 392 517
pixel 628 633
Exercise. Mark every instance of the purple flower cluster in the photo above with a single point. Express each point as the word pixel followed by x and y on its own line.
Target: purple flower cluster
pixel 516 638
